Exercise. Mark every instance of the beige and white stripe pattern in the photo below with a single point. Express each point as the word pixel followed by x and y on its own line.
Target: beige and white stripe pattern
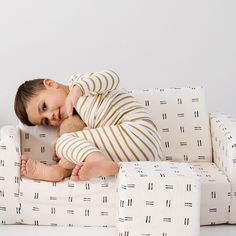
pixel 120 127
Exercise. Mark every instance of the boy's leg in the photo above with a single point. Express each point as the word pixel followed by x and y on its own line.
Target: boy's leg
pixel 129 141
pixel 35 170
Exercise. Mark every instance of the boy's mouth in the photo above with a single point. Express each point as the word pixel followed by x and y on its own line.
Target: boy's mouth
pixel 59 114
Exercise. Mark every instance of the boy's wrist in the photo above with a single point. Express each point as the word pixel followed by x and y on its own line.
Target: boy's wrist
pixel 77 89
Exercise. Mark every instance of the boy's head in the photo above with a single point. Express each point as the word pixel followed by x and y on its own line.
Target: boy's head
pixel 41 102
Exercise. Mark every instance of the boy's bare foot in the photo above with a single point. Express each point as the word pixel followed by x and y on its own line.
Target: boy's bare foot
pixel 75 172
pixel 94 169
pixel 35 170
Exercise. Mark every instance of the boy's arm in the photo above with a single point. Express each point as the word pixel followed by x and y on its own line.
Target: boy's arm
pixel 95 83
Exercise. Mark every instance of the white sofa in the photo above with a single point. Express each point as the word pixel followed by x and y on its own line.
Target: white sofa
pixel 205 142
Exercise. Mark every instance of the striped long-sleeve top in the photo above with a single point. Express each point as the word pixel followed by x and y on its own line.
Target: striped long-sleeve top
pixel 102 102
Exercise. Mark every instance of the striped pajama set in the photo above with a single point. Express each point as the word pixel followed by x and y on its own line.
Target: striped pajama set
pixel 119 126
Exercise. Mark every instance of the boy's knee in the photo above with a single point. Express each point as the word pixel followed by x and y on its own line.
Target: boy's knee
pixel 62 138
pixel 66 164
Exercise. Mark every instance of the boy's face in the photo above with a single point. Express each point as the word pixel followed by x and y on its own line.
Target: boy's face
pixel 48 106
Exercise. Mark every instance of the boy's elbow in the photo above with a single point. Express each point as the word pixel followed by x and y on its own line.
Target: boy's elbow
pixel 65 136
pixel 115 77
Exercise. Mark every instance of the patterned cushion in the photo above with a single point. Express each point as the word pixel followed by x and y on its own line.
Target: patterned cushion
pixel 158 198
pixel 36 142
pixel 215 194
pixel 60 215
pixel 183 122
pixel 224 152
pixel 9 175
pixel 83 203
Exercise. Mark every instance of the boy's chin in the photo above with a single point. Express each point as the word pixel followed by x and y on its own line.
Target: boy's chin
pixel 61 120
pixel 57 124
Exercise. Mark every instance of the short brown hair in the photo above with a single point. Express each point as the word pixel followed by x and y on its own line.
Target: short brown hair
pixel 25 92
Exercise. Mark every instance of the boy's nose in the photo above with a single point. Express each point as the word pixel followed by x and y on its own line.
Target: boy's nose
pixel 50 116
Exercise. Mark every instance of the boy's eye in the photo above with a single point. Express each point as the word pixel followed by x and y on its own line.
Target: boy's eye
pixel 44 106
pixel 46 122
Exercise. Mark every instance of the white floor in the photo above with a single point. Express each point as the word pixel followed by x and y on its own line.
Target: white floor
pixel 6 230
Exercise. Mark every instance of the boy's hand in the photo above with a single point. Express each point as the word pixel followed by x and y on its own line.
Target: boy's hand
pixel 72 99
pixel 54 156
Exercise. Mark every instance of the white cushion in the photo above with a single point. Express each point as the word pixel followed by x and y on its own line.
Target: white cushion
pixel 158 198
pixel 9 175
pixel 36 142
pixel 224 151
pixel 183 122
pixel 60 215
pixel 215 194
pixel 83 203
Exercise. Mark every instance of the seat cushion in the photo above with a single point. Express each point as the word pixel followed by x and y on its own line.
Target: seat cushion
pixel 158 198
pixel 83 203
pixel 94 203
pixel 215 194
pixel 215 187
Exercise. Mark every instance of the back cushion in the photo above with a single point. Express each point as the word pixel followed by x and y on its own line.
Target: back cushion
pixel 36 142
pixel 183 122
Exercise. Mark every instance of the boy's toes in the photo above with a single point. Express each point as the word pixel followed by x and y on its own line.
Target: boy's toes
pixel 24 160
pixel 76 169
pixel 75 172
pixel 23 163
pixel 24 157
pixel 74 178
pixel 23 167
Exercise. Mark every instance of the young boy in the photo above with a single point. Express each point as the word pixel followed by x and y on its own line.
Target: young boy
pixel 120 128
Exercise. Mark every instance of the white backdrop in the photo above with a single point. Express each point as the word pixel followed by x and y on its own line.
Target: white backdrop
pixel 149 43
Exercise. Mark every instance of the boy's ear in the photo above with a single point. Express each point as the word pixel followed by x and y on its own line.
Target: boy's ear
pixel 49 83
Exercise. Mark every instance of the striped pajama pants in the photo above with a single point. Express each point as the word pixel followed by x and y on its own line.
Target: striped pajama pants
pixel 129 141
